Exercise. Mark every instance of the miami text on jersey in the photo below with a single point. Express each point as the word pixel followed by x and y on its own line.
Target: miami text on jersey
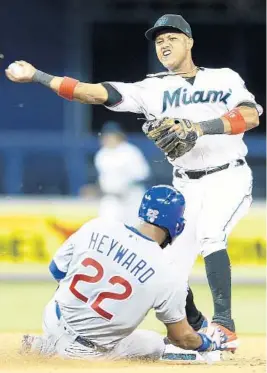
pixel 181 97
pixel 128 259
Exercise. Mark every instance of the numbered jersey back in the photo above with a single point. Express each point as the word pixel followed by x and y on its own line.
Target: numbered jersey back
pixel 113 278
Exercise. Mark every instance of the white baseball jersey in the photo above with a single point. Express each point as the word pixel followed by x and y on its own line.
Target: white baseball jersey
pixel 120 168
pixel 214 92
pixel 111 277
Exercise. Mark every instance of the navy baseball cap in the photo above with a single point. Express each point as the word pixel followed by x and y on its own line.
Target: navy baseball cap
pixel 171 22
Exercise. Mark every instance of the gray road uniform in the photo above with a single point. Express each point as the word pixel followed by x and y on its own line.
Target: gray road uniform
pixel 110 276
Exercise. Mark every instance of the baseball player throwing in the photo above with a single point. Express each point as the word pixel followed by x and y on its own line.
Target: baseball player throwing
pixel 197 116
pixel 110 275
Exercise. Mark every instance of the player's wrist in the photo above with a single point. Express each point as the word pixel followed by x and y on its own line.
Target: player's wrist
pixel 198 129
pixel 207 344
pixel 42 78
pixel 212 127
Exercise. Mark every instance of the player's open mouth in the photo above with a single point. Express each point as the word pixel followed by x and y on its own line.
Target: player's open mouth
pixel 166 53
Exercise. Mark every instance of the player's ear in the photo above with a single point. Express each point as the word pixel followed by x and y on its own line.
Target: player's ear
pixel 190 43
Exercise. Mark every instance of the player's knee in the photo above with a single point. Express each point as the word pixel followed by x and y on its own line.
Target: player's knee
pixel 154 345
pixel 213 244
pixel 157 347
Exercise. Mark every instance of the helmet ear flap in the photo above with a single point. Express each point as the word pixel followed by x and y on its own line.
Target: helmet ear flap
pixel 179 229
pixel 180 226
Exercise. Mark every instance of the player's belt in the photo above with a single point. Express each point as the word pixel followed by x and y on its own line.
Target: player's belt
pixel 83 341
pixel 199 174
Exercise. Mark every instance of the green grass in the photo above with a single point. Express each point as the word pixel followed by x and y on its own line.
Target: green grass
pixel 22 306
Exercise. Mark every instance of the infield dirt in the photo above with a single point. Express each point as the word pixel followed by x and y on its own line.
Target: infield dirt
pixel 250 358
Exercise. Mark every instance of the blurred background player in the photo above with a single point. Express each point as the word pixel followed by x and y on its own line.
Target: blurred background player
pixel 122 174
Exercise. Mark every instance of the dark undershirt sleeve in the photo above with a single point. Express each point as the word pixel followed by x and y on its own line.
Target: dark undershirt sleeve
pixel 114 97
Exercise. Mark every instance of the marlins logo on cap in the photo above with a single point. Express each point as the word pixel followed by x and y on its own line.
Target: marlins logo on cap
pixel 162 21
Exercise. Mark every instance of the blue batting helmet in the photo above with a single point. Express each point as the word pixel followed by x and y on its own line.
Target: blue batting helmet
pixel 162 205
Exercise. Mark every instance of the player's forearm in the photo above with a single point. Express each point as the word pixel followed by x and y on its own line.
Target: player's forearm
pixel 83 92
pixel 182 335
pixel 238 120
pixel 189 341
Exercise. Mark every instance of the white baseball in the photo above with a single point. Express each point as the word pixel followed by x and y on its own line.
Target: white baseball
pixel 16 69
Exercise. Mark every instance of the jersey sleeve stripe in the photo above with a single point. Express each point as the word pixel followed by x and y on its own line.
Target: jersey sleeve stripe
pixel 56 273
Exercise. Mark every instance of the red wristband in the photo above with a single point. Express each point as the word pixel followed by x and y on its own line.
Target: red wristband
pixel 66 88
pixel 236 120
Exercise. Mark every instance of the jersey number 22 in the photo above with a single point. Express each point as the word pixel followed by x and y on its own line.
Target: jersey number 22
pixel 104 295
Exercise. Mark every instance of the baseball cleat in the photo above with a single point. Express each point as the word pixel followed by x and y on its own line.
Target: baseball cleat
pixel 232 342
pixel 31 344
pixel 26 344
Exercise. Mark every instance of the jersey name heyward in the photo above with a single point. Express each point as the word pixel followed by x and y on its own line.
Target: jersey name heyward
pixel 181 96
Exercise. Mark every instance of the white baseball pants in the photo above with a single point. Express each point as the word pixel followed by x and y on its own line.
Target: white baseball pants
pixel 214 204
pixel 59 339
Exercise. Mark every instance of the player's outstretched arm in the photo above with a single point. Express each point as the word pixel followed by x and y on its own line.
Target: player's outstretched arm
pixel 24 72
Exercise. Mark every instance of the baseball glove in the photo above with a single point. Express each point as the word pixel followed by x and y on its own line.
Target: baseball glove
pixel 173 136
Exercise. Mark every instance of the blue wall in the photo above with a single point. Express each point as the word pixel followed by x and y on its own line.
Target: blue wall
pixel 33 31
